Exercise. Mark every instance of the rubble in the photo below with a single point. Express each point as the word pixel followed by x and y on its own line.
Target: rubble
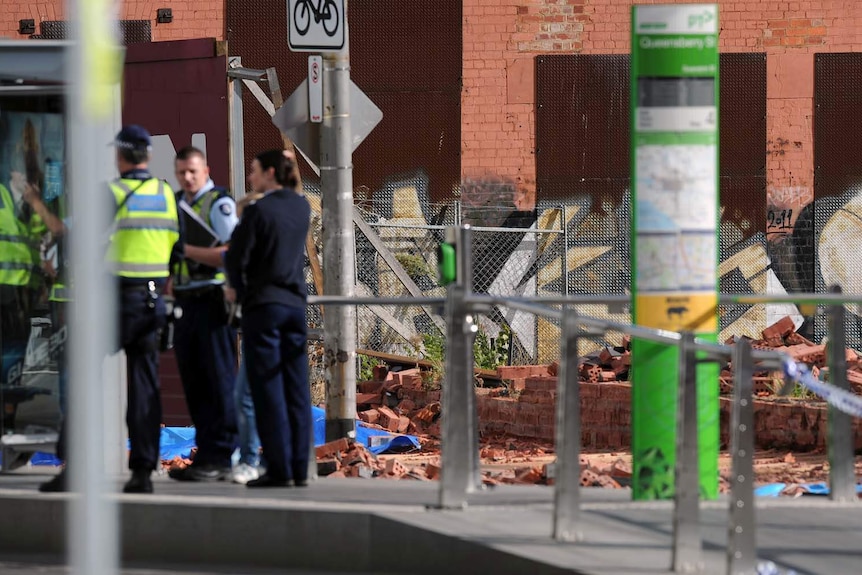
pixel 404 402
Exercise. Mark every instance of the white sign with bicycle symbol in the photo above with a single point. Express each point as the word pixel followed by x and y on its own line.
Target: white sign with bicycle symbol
pixel 315 25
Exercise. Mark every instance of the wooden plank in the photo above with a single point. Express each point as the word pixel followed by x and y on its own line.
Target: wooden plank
pixel 314 260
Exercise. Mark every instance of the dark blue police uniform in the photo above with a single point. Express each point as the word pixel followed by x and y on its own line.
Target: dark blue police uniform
pixel 142 309
pixel 204 342
pixel 265 264
pixel 144 232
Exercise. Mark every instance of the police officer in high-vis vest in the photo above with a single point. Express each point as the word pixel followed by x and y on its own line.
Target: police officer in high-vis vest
pixel 59 296
pixel 204 341
pixel 16 267
pixel 142 237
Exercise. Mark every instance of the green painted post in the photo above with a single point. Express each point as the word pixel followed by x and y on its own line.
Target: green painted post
pixel 674 158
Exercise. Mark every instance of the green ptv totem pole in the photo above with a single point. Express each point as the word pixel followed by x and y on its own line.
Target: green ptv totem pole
pixel 674 154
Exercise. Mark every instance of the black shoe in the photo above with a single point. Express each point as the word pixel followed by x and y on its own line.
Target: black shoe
pixel 140 482
pixel 200 473
pixel 267 480
pixel 300 482
pixel 58 484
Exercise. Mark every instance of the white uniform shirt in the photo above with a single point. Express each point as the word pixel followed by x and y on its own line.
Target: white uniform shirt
pixel 222 216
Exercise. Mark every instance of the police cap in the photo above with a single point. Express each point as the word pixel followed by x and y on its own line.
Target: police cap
pixel 133 137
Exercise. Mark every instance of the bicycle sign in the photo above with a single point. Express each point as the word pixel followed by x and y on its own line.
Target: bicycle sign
pixel 315 25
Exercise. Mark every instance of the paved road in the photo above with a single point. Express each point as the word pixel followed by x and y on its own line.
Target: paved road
pixel 396 522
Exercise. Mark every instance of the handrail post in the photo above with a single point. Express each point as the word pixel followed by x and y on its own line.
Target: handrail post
pixel 564 223
pixel 686 510
pixel 567 472
pixel 741 546
pixel 459 448
pixel 842 477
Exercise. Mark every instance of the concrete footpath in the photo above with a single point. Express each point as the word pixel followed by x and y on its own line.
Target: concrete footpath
pixel 387 526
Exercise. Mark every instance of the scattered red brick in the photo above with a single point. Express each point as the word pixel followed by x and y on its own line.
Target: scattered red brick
pixel 331 448
pixel 432 470
pixel 369 416
pixel 394 468
pixel 388 418
pixel 524 408
pixel 429 413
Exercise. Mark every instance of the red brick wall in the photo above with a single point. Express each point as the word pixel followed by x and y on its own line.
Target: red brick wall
pixel 606 419
pixel 501 38
pixel 497 107
pixel 606 416
pixel 192 18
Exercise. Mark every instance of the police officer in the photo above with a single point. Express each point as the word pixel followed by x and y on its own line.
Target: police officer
pixel 144 232
pixel 59 298
pixel 265 263
pixel 204 342
pixel 16 266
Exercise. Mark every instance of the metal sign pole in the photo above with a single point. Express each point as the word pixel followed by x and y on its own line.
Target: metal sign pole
pixel 674 140
pixel 339 260
pixel 93 67
pixel 567 475
pixel 237 141
pixel 842 477
pixel 460 450
pixel 741 546
pixel 686 509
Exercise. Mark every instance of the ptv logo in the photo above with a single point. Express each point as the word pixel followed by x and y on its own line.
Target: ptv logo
pixel 700 20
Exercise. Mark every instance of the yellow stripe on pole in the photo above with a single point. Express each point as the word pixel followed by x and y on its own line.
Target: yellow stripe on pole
pixel 101 54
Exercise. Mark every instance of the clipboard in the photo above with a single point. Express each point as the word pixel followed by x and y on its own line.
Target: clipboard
pixel 195 220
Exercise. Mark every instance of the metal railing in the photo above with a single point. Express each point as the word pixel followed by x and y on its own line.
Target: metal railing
pixel 460 473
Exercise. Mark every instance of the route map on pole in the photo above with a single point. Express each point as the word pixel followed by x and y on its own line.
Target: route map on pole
pixel 674 152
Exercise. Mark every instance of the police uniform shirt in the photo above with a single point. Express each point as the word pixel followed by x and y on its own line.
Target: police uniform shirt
pixel 222 216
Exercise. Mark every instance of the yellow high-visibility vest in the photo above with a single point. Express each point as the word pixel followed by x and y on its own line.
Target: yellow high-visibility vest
pixel 16 259
pixel 145 228
pixel 60 293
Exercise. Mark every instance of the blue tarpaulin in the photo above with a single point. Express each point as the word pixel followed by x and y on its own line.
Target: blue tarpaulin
pixel 179 441
pixel 775 489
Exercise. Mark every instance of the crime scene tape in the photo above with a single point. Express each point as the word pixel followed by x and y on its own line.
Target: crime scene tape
pixel 841 399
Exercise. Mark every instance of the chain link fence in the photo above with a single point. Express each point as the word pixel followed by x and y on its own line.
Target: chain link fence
pixel 396 256
pixel 554 251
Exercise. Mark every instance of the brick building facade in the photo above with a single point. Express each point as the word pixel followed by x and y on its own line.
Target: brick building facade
pixel 501 39
pixel 493 155
pixel 191 19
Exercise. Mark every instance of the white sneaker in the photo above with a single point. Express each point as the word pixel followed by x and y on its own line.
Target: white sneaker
pixel 243 473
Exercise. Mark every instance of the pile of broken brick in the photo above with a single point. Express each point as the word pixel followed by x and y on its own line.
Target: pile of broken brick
pixel 346 458
pixel 782 336
pixel 404 402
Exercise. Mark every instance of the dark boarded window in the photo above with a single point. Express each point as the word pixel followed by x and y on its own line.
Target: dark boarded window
pixel 831 242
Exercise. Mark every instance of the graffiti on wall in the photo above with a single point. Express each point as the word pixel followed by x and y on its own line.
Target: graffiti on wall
pixel 814 244
pixel 579 246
